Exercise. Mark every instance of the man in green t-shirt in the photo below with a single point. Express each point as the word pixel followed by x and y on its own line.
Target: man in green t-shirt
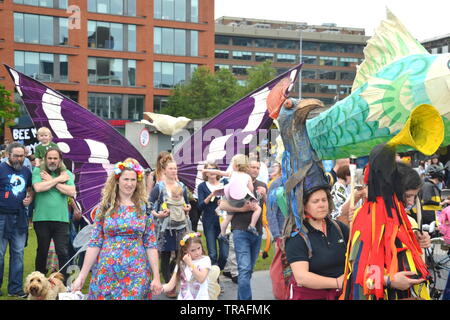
pixel 53 186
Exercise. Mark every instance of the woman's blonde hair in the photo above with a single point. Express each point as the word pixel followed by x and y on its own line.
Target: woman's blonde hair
pixel 110 200
pixel 240 161
pixel 163 159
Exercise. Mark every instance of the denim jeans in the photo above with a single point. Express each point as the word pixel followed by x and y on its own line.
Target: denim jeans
pixel 16 250
pixel 247 247
pixel 212 231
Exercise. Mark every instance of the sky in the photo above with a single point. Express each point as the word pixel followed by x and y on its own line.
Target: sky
pixel 424 19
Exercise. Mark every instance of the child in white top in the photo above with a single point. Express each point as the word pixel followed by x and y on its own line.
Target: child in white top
pixel 192 269
pixel 238 191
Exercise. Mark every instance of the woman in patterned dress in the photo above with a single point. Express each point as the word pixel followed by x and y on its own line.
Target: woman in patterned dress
pixel 122 249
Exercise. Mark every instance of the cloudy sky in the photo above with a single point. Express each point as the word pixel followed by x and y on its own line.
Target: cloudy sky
pixel 423 18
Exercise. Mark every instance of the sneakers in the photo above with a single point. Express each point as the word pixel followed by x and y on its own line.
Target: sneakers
pixel 253 230
pixel 22 295
pixel 226 274
pixel 234 279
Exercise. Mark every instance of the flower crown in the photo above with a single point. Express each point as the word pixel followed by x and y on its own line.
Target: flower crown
pixel 189 235
pixel 120 166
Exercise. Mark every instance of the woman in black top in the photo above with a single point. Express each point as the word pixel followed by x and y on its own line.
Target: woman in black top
pixel 318 272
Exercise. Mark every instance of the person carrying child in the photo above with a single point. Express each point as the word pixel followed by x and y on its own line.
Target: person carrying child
pixel 193 274
pixel 238 192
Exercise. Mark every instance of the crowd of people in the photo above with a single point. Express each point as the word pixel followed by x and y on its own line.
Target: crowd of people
pixel 146 224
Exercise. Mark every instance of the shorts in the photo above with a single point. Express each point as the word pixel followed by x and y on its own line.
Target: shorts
pixel 237 203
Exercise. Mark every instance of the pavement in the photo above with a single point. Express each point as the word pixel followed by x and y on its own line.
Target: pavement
pixel 261 288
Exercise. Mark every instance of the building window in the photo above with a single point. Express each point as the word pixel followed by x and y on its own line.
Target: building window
pixel 178 42
pixel 105 35
pixel 289 58
pixel 309 87
pixel 310 46
pixel 42 66
pixel 59 4
pixel 345 89
pixel 222 40
pixel 327 74
pixel 347 76
pixel 168 75
pixel 328 61
pixel 116 72
pixel 308 74
pixel 240 70
pixel 263 56
pixel 309 59
pixel 242 55
pixel 331 47
pixel 178 10
pixel 221 66
pixel 39 29
pixel 159 102
pixel 265 43
pixel 327 88
pixel 241 41
pixel 348 62
pixel 287 44
pixel 115 7
pixel 221 54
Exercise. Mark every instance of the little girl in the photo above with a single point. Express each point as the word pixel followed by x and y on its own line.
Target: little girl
pixel 238 191
pixel 192 269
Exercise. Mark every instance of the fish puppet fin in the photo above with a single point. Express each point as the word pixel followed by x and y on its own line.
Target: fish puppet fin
pixel 391 41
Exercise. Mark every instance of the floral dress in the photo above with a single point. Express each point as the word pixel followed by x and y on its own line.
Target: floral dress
pixel 122 270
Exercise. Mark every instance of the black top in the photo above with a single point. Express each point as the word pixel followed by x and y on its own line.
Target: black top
pixel 328 252
pixel 241 220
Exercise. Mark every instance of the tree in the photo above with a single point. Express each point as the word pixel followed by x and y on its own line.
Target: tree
pixel 258 76
pixel 8 109
pixel 207 94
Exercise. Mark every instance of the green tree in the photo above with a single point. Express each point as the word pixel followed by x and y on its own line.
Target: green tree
pixel 8 109
pixel 206 93
pixel 258 76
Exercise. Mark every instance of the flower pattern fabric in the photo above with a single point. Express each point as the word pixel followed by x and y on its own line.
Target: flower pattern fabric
pixel 122 271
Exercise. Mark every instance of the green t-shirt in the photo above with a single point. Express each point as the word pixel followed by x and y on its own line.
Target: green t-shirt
pixel 51 205
pixel 40 150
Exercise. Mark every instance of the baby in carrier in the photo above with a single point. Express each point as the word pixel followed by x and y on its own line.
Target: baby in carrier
pixel 176 204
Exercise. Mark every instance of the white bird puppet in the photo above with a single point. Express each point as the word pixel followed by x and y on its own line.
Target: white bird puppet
pixel 164 123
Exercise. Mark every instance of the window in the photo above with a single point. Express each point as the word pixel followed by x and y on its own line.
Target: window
pixel 40 29
pixel 310 46
pixel 327 88
pixel 308 74
pixel 347 76
pixel 331 47
pixel 263 56
pixel 168 75
pixel 265 43
pixel 328 61
pixel 242 55
pixel 289 58
pixel 115 7
pixel 105 35
pixel 221 54
pixel 222 40
pixel 159 102
pixel 61 4
pixel 309 59
pixel 326 74
pixel 42 66
pixel 241 41
pixel 287 44
pixel 240 70
pixel 345 89
pixel 178 10
pixel 179 42
pixel 309 87
pixel 107 71
pixel 348 62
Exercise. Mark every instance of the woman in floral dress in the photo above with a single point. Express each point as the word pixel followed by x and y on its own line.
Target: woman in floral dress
pixel 123 244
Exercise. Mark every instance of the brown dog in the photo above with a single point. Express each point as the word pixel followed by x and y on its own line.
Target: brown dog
pixel 38 287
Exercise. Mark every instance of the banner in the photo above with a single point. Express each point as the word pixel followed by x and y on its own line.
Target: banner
pixel 26 136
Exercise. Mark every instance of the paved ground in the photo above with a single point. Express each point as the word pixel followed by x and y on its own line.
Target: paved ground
pixel 261 288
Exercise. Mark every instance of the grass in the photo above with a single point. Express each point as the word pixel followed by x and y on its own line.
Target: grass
pixel 30 255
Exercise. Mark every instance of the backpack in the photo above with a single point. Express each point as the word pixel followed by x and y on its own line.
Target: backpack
pixel 444 224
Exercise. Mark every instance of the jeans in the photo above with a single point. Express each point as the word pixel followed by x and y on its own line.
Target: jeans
pixel 16 250
pixel 247 247
pixel 59 232
pixel 212 231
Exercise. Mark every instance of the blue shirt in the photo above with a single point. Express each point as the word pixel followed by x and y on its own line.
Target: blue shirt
pixel 13 187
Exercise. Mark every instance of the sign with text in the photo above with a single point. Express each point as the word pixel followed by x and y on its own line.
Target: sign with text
pixel 27 136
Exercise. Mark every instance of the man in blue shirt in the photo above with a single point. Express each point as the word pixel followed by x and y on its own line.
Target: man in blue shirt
pixel 15 184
